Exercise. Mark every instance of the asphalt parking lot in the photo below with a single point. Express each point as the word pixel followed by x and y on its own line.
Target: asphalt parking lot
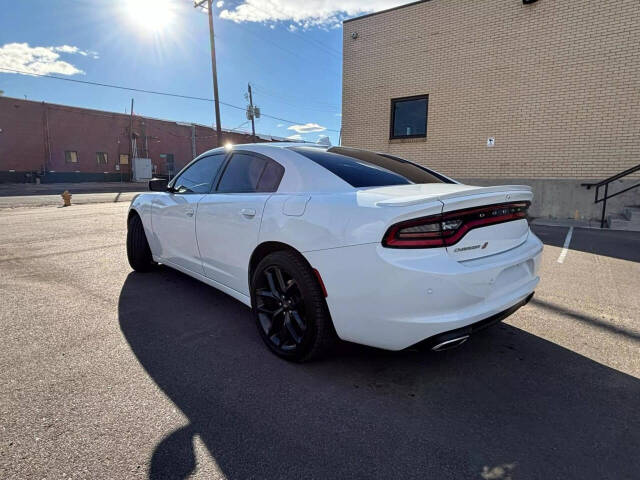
pixel 106 373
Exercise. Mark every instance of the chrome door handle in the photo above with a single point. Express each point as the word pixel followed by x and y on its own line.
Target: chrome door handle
pixel 248 212
pixel 189 212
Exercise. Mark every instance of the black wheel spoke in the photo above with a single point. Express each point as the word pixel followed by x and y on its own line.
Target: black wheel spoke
pixel 272 284
pixel 272 312
pixel 281 284
pixel 292 331
pixel 266 323
pixel 296 316
pixel 263 292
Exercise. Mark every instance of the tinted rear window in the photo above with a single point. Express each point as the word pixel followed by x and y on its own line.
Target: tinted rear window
pixel 361 168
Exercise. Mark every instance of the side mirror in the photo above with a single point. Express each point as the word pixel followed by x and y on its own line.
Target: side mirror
pixel 158 185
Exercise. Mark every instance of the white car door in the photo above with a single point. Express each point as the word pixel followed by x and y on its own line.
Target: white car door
pixel 174 213
pixel 228 219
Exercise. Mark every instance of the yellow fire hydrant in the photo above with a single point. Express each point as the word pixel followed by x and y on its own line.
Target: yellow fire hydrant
pixel 66 196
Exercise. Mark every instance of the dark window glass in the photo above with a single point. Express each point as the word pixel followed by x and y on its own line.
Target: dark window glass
pixel 409 117
pixel 361 168
pixel 271 177
pixel 242 174
pixel 198 177
pixel 101 157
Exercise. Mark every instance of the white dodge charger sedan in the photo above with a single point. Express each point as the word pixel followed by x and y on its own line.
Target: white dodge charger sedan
pixel 324 242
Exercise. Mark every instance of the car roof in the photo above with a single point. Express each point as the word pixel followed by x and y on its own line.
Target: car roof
pixel 263 145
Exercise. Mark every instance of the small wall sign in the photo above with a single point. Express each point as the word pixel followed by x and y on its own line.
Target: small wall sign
pixel 491 141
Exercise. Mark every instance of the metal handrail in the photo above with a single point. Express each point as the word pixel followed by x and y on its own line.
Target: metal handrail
pixel 606 183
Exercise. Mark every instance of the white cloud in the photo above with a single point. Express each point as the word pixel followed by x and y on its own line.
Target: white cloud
pixel 41 60
pixel 296 136
pixel 280 125
pixel 338 114
pixel 74 50
pixel 220 4
pixel 307 128
pixel 310 13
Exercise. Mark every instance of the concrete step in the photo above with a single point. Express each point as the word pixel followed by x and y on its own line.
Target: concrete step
pixel 632 213
pixel 618 222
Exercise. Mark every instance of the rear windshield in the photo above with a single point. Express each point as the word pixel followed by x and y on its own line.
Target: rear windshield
pixel 361 168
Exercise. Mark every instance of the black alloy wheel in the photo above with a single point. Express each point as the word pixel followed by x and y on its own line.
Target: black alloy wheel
pixel 289 307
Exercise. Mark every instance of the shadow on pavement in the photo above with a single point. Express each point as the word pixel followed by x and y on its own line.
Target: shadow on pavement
pixel 506 405
pixel 610 243
pixel 589 319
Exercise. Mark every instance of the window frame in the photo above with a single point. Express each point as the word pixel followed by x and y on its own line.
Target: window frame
pixel 106 158
pixel 393 116
pixel 71 162
pixel 250 153
pixel 214 180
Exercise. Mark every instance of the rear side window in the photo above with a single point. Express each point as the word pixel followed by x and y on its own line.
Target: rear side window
pixel 248 173
pixel 361 168
pixel 271 177
pixel 197 178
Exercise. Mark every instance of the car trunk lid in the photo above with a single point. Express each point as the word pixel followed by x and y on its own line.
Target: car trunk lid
pixel 492 218
pixel 501 203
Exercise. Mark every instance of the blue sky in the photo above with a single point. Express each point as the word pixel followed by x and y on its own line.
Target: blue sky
pixel 290 51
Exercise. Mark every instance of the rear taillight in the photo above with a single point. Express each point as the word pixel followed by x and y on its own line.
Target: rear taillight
pixel 448 228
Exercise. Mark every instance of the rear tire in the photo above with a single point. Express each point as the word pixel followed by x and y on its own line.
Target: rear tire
pixel 138 251
pixel 289 308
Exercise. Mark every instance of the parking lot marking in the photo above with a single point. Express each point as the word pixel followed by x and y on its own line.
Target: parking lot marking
pixel 565 247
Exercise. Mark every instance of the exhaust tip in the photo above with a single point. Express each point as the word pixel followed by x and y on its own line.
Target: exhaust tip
pixel 449 344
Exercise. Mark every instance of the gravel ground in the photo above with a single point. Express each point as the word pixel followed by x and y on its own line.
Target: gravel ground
pixel 111 374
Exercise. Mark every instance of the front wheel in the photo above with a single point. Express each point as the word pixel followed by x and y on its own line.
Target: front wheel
pixel 138 251
pixel 289 308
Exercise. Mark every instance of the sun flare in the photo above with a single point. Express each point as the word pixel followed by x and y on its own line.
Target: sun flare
pixel 152 16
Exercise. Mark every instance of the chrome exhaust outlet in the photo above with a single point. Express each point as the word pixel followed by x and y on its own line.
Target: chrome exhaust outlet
pixel 453 343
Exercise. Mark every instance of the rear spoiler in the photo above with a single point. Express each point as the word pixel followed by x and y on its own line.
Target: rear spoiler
pixel 464 192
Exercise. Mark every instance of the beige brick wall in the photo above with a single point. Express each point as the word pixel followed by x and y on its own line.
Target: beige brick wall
pixel 557 83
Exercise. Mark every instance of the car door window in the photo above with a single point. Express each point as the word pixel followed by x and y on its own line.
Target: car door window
pixel 199 176
pixel 248 173
pixel 271 176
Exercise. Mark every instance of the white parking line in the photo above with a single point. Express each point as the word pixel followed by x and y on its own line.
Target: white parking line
pixel 565 247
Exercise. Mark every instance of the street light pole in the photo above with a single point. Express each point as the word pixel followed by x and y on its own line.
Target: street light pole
pixel 213 68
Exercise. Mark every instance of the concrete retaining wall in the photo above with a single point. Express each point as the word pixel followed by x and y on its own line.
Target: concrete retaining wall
pixel 562 199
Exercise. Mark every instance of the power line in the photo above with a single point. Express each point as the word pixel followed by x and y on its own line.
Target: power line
pixel 152 92
pixel 120 87
pixel 275 44
pixel 332 107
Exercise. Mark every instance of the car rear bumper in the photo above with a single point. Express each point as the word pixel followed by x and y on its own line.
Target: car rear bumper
pixel 393 298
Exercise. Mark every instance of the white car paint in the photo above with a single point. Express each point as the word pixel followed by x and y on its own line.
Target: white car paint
pixel 384 297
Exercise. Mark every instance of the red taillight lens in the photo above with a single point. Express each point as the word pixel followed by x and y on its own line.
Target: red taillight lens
pixel 448 228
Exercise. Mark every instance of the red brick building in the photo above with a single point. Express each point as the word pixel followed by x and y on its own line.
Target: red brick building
pixel 60 143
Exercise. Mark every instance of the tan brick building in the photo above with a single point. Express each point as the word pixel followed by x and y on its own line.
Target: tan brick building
pixel 546 94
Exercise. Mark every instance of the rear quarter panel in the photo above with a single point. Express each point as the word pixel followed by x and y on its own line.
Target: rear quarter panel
pixel 334 220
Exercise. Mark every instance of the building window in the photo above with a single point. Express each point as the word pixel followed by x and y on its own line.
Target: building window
pixel 409 117
pixel 124 159
pixel 70 156
pixel 101 157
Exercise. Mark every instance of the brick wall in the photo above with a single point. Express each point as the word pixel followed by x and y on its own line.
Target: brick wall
pixel 35 135
pixel 557 83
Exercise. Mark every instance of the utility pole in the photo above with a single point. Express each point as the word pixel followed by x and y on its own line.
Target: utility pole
pixel 131 142
pixel 199 4
pixel 253 116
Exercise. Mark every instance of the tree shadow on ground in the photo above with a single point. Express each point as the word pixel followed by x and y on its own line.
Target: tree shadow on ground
pixel 506 405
